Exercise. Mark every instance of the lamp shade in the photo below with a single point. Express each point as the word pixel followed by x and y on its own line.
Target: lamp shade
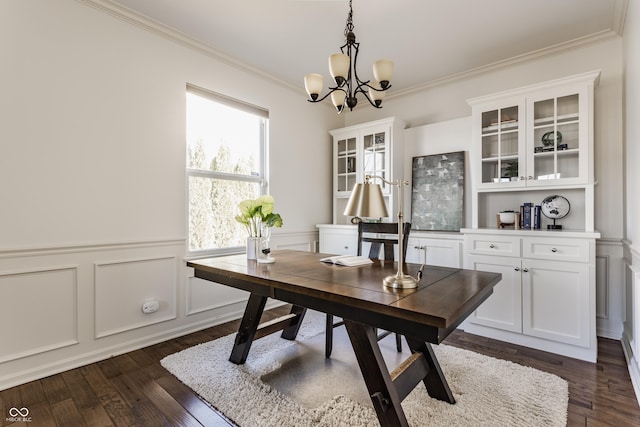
pixel 337 97
pixel 366 201
pixel 339 67
pixel 383 71
pixel 313 83
pixel 376 95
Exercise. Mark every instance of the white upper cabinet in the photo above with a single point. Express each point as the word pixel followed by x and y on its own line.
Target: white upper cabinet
pixel 374 149
pixel 537 136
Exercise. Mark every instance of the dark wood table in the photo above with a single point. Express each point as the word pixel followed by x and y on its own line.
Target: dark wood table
pixel 424 315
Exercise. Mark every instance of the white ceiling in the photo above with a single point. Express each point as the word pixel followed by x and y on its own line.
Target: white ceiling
pixel 429 40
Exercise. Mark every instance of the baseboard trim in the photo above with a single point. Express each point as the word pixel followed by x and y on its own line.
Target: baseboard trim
pixel 36 373
pixel 632 364
pixel 609 333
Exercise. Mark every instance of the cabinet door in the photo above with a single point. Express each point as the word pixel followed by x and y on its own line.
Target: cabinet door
pixel 375 154
pixel 346 163
pixel 503 309
pixel 502 153
pixel 444 253
pixel 335 243
pixel 555 301
pixel 557 134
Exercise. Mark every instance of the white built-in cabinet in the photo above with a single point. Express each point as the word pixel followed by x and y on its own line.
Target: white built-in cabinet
pixel 376 149
pixel 536 140
pixel 433 248
pixel 441 249
pixel 372 148
pixel 338 239
pixel 546 298
pixel 528 144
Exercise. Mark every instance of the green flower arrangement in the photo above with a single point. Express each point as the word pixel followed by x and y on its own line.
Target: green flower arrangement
pixel 254 214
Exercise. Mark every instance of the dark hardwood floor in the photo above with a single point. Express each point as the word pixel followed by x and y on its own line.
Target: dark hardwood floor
pixel 134 390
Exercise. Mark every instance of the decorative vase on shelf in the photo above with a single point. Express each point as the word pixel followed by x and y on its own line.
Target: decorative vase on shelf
pixel 253 244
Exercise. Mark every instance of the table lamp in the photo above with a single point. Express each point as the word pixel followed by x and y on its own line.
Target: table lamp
pixel 366 201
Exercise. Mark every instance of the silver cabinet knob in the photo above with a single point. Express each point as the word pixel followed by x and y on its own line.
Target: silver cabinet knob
pixel 517 269
pixel 525 270
pixel 554 250
pixel 492 246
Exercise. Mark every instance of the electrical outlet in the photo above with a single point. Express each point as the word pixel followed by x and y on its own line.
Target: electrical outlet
pixel 150 306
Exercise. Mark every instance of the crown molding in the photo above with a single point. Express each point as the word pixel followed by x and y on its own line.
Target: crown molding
pixel 581 41
pixel 144 22
pixel 148 24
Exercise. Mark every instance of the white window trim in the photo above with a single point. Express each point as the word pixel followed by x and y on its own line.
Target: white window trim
pixel 261 180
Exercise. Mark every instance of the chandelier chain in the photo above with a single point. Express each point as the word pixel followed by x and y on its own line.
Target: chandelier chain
pixel 349 26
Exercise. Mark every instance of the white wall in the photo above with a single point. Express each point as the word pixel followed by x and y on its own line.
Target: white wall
pixel 632 125
pixel 94 136
pixel 631 339
pixel 92 166
pixel 443 137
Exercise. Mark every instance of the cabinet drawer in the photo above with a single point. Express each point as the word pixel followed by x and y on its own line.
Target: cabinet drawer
pixel 560 249
pixel 493 245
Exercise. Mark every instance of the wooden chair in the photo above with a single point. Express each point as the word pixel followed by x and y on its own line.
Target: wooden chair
pixel 382 236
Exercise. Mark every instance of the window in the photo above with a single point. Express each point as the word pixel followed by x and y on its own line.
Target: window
pixel 226 146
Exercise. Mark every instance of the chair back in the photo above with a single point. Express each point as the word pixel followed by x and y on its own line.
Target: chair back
pixel 380 229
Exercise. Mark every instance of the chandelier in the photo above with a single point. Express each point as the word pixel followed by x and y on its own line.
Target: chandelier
pixel 342 67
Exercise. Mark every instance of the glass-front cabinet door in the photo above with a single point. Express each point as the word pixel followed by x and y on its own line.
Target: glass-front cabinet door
pixel 500 145
pixel 346 167
pixel 502 140
pixel 557 127
pixel 375 156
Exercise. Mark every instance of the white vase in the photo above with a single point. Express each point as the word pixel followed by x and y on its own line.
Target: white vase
pixel 252 247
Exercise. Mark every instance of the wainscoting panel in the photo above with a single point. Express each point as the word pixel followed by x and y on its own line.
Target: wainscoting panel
pixel 295 241
pixel 122 287
pixel 203 295
pixel 602 287
pixel 631 336
pixel 632 302
pixel 38 311
pixel 609 288
pixel 67 306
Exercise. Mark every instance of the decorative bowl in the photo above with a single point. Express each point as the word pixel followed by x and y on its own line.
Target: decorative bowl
pixel 507 217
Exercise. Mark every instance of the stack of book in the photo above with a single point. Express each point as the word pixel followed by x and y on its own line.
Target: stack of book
pixel 530 216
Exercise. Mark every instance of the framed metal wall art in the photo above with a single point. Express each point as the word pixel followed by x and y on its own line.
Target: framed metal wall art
pixel 437 192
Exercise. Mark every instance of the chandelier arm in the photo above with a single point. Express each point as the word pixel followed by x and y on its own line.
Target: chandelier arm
pixel 356 46
pixel 374 88
pixel 361 83
pixel 348 81
pixel 331 90
pixel 369 99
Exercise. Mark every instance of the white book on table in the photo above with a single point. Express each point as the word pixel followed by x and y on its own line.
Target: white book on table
pixel 347 260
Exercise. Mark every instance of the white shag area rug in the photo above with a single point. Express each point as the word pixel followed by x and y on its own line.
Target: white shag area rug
pixel 291 384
